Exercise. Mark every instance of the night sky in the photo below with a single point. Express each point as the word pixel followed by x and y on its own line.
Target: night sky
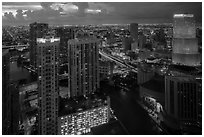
pixel 69 13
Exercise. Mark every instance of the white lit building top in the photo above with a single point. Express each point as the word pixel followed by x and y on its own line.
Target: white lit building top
pixel 44 40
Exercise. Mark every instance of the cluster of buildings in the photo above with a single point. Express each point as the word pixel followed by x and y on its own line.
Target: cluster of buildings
pixel 47 52
pixel 170 87
pixel 173 96
pixel 83 80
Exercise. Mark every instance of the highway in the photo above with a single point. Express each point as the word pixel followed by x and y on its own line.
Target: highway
pixel 14 46
pixel 118 61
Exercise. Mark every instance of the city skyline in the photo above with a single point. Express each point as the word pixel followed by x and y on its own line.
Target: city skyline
pixel 96 79
pixel 85 13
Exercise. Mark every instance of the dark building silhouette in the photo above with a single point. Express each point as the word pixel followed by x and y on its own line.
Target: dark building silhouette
pixel 5 93
pixel 10 99
pixel 141 40
pixel 181 102
pixel 14 109
pixel 126 43
pixel 134 36
pixel 65 34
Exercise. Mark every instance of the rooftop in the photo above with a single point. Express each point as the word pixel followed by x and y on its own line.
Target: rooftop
pixel 190 70
pixel 81 103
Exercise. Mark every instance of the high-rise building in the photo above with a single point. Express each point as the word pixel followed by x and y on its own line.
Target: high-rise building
pixel 134 36
pixel 110 37
pixel 5 92
pixel 144 75
pixel 105 69
pixel 48 87
pixel 37 30
pixel 141 40
pixel 10 99
pixel 126 43
pixel 185 43
pixel 83 66
pixel 65 34
pixel 181 101
pixel 14 109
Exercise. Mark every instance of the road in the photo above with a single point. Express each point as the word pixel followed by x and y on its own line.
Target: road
pixel 14 46
pixel 121 62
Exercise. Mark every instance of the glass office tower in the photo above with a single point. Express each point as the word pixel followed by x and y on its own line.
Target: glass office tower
pixel 185 44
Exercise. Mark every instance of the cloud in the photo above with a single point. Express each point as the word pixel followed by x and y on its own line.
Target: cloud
pixel 153 10
pixel 46 5
pixel 65 8
pixel 19 15
pixel 28 15
pixel 104 7
pixel 43 15
pixel 96 12
pixel 93 11
pixel 9 16
pixel 82 6
pixel 20 5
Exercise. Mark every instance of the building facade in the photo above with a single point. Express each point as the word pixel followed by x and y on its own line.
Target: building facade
pixel 14 109
pixel 144 75
pixel 5 92
pixel 37 30
pixel 126 43
pixel 83 66
pixel 48 87
pixel 82 121
pixel 65 34
pixel 10 99
pixel 141 40
pixel 181 100
pixel 105 69
pixel 134 36
pixel 185 43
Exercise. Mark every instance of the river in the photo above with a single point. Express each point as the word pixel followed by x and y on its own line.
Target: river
pixel 20 75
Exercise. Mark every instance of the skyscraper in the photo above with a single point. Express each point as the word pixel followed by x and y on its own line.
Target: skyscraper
pixel 10 99
pixel 185 43
pixel 134 36
pixel 83 66
pixel 65 34
pixel 141 40
pixel 14 109
pixel 5 93
pixel 181 101
pixel 48 87
pixel 126 43
pixel 37 30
